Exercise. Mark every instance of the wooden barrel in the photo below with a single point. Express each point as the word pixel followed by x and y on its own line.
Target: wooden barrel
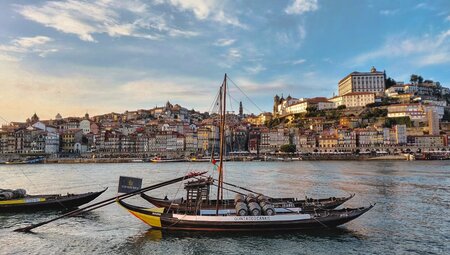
pixel 241 209
pixel 239 198
pixel 250 198
pixel 254 209
pixel 268 209
pixel 262 198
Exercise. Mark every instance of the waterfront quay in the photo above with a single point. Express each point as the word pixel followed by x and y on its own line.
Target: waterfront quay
pixel 373 114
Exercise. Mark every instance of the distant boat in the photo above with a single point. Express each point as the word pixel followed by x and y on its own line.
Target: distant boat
pixel 194 159
pixel 31 203
pixel 161 160
pixel 32 160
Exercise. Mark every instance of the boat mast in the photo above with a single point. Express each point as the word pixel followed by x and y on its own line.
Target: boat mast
pixel 223 102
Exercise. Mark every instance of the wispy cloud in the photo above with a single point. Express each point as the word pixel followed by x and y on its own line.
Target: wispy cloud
pixel 389 12
pixel 70 91
pixel 419 51
pixel 302 6
pixel 422 6
pixel 206 9
pixel 22 45
pixel 115 18
pixel 448 18
pixel 255 69
pixel 295 62
pixel 224 42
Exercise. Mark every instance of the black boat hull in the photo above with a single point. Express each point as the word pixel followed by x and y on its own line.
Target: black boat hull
pixel 319 220
pixel 35 203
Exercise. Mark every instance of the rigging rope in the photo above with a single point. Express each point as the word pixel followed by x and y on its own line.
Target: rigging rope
pixel 245 94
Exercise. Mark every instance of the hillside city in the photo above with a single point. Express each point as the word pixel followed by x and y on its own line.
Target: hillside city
pixel 372 113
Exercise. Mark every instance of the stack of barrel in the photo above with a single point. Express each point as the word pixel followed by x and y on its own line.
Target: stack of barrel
pixel 253 205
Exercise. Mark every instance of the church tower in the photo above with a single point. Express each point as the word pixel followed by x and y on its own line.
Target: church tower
pixel 241 110
pixel 276 102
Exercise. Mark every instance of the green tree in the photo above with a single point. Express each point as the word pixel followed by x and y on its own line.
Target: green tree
pixel 390 82
pixel 288 148
pixel 390 122
pixel 341 107
pixel 417 79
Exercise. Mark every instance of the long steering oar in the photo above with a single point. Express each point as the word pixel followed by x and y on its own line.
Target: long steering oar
pixel 109 201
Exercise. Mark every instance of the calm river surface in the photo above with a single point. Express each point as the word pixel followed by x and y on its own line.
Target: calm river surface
pixel 412 214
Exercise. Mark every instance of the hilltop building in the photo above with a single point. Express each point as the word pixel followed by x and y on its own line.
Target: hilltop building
pixel 373 81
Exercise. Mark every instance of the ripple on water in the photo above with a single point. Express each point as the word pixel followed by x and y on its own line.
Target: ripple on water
pixel 410 215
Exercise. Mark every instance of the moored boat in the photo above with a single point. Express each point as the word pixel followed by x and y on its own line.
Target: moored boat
pixel 31 203
pixel 157 218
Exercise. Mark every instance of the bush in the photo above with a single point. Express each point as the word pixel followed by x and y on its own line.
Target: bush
pixel 288 148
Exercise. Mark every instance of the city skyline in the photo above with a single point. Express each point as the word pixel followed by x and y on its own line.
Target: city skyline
pixel 76 56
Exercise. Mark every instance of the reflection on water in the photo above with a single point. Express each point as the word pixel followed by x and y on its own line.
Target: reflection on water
pixel 413 200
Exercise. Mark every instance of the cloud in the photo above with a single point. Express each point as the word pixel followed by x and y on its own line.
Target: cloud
pixel 422 6
pixel 302 32
pixel 112 17
pixel 66 94
pixel 389 12
pixel 254 87
pixel 23 45
pixel 224 42
pixel 298 61
pixel 255 69
pixel 28 42
pixel 206 9
pixel 302 6
pixel 448 18
pixel 231 57
pixel 419 51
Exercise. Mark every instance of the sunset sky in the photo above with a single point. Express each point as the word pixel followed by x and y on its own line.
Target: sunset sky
pixel 74 57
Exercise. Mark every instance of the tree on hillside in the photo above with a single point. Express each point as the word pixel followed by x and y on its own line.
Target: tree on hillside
pixel 390 122
pixel 416 79
pixel 390 82
pixel 288 148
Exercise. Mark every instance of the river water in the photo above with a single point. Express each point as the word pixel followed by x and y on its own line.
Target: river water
pixel 411 215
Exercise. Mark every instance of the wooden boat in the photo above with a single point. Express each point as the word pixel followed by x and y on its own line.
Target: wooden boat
pixel 251 213
pixel 31 203
pixel 157 218
pixel 309 204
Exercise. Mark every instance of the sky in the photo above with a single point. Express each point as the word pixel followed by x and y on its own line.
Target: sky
pixel 72 57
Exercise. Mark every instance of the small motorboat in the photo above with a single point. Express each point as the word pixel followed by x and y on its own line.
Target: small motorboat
pixel 30 203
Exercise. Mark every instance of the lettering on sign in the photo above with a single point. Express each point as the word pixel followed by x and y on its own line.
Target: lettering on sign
pixel 252 218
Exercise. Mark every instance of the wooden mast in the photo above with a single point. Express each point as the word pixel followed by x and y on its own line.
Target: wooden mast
pixel 223 102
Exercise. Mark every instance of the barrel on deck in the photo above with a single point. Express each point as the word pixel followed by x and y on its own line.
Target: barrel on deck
pixel 262 198
pixel 254 209
pixel 267 208
pixel 241 209
pixel 239 198
pixel 250 198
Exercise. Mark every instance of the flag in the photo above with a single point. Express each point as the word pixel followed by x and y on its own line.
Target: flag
pixel 129 184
